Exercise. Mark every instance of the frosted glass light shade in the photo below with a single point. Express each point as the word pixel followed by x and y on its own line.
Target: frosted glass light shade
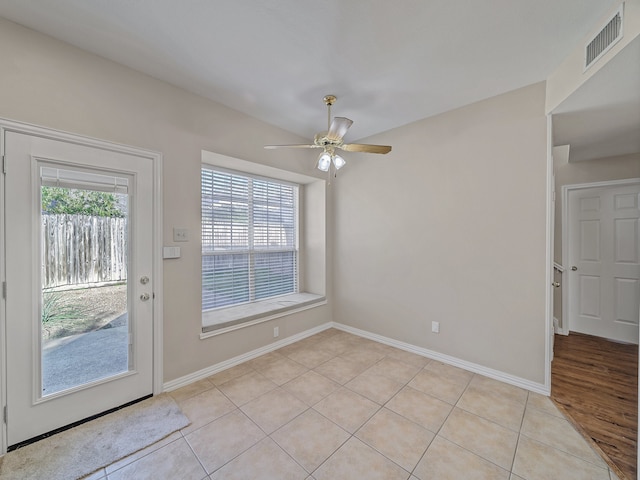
pixel 339 162
pixel 324 162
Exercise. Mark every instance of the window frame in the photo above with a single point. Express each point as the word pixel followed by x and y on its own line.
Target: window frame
pixel 251 251
pixel 312 251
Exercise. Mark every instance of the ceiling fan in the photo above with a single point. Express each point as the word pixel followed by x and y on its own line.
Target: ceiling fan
pixel 332 139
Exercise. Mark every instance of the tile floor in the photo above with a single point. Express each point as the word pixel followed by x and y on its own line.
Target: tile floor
pixel 337 406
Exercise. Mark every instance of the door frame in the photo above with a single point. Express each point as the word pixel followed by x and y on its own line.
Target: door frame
pixel 7 125
pixel 566 190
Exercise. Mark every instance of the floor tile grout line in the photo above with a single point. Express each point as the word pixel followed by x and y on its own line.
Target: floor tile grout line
pixel 606 467
pixel 289 455
pixel 241 452
pixel 353 435
pixel 380 406
pixel 460 446
pixel 543 442
pixel 437 434
pixel 204 469
pixel 515 452
pixel 385 456
pixel 211 421
pixel 383 405
pixel 143 456
pixel 328 457
pixel 405 385
pixel 456 406
pixel 440 428
pixel 472 453
pixel 301 413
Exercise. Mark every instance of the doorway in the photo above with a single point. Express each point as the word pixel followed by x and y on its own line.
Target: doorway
pixel 595 370
pixel 80 274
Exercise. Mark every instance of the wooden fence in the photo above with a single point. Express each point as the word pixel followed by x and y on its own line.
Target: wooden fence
pixel 81 249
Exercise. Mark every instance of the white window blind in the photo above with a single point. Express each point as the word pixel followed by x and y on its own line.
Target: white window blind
pixel 249 238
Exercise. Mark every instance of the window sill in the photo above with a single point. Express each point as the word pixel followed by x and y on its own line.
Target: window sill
pixel 217 322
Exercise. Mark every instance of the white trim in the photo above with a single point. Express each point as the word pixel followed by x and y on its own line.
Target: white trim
pixel 158 275
pixel 566 281
pixel 283 313
pixel 237 360
pixel 557 329
pixel 549 272
pixel 454 361
pixel 3 324
pixel 237 165
pixel 7 125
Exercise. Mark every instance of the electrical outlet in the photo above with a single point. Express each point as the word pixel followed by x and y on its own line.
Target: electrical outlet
pixel 435 327
pixel 180 235
pixel 276 332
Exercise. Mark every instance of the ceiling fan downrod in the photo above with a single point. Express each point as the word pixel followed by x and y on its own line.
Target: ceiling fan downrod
pixel 328 101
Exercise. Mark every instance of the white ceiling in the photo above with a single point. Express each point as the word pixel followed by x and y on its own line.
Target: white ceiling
pixel 389 63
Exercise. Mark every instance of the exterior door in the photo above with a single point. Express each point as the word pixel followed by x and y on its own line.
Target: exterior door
pixel 79 282
pixel 604 262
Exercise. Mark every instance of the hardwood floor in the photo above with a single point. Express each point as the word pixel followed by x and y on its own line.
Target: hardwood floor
pixel 595 381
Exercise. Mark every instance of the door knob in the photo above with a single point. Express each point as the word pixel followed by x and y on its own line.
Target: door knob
pixel 144 297
pixel 556 284
pixel 574 268
pixel 144 280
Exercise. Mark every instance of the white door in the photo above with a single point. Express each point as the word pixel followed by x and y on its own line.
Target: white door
pixel 604 262
pixel 73 350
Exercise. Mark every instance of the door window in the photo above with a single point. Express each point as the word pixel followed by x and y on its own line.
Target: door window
pixel 84 298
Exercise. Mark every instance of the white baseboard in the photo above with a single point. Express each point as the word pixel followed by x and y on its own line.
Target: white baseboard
pixel 454 361
pixel 232 362
pixel 558 329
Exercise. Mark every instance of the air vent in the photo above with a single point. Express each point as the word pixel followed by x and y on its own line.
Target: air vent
pixel 606 38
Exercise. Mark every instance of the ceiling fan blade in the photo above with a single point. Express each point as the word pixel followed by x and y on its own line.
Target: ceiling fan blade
pixel 338 128
pixel 271 147
pixel 359 147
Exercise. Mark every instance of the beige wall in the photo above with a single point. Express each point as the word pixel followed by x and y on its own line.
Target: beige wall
pixel 52 84
pixel 571 173
pixel 450 226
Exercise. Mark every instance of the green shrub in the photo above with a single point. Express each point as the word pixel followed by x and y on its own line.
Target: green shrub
pixel 54 308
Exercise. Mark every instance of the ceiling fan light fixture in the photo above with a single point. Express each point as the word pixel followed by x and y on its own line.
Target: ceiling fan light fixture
pixel 324 162
pixel 333 139
pixel 338 162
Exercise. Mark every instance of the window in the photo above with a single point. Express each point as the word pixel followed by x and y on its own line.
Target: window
pixel 249 238
pixel 263 244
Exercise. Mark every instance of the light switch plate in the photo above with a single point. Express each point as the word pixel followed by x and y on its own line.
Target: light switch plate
pixel 180 235
pixel 171 252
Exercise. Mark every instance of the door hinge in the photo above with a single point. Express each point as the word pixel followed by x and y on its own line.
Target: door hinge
pixel 4 164
pixel 5 414
pixel 4 290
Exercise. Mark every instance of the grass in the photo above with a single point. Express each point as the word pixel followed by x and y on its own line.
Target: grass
pixel 75 311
